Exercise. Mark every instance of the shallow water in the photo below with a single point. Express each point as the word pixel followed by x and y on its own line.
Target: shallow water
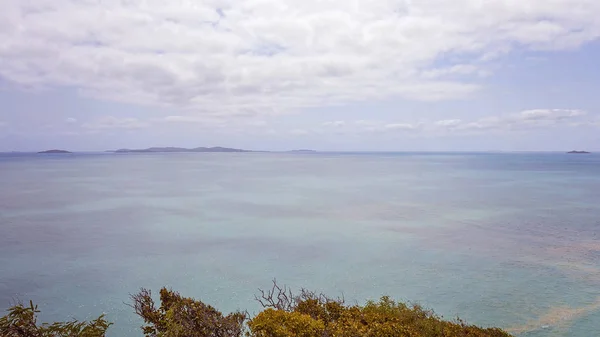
pixel 511 240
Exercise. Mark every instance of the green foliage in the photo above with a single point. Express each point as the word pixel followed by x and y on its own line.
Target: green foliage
pixel 279 323
pixel 179 316
pixel 284 315
pixel 21 321
pixel 311 315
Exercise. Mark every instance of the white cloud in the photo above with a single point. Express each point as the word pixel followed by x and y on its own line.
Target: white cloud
pixel 399 126
pixel 110 122
pixel 592 122
pixel 190 119
pixel 70 120
pixel 521 120
pixel 459 69
pixel 226 58
pixel 448 123
pixel 549 114
pixel 335 124
pixel 536 118
pixel 369 126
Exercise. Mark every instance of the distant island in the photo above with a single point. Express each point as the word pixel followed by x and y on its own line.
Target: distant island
pixel 55 151
pixel 302 151
pixel 180 149
pixel 578 152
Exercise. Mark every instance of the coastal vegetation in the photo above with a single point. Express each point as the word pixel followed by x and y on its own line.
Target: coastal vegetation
pixel 284 314
pixel 21 321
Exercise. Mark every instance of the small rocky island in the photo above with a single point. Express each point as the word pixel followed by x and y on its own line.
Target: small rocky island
pixel 578 152
pixel 180 149
pixel 55 151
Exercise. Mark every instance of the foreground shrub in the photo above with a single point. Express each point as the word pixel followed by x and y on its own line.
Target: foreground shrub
pixel 21 321
pixel 312 315
pixel 284 315
pixel 179 316
pixel 279 323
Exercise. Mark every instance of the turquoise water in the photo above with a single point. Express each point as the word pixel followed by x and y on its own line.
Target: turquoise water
pixel 510 240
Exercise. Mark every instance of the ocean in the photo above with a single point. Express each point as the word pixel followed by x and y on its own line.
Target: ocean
pixel 497 239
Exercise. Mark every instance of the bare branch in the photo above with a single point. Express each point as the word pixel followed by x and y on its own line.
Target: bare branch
pixel 280 298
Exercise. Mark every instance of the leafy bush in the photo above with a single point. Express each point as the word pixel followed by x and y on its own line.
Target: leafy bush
pixel 179 316
pixel 285 315
pixel 312 315
pixel 21 321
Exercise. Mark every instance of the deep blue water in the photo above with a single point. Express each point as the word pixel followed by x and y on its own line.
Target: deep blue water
pixel 511 240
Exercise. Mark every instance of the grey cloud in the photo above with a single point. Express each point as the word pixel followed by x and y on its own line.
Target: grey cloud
pixel 223 57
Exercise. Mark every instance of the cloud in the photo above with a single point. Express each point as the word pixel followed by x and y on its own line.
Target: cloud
pixel 521 120
pixel 382 127
pixel 370 126
pixel 448 123
pixel 70 120
pixel 456 70
pixel 335 124
pixel 191 119
pixel 399 126
pixel 225 57
pixel 110 122
pixel 595 122
pixel 549 114
pixel 363 122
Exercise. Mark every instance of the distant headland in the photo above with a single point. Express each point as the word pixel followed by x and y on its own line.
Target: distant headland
pixel 173 149
pixel 302 151
pixel 55 151
pixel 180 149
pixel 578 152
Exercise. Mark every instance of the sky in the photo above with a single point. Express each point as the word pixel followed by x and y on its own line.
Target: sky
pixel 339 75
